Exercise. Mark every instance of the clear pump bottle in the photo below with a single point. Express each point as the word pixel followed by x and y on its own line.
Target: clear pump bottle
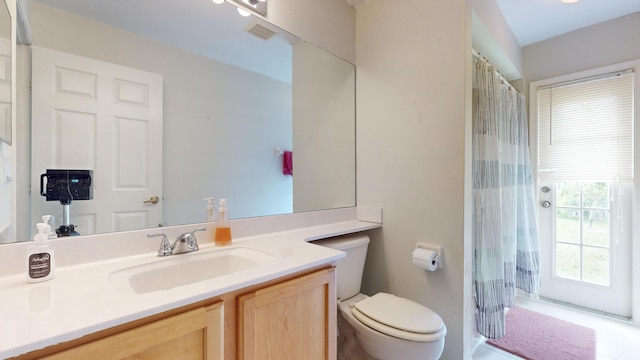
pixel 46 219
pixel 211 209
pixel 223 228
pixel 41 264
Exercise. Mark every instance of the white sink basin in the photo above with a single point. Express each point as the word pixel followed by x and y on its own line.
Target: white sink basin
pixel 184 269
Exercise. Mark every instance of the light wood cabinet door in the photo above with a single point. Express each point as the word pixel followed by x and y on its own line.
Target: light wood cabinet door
pixel 292 320
pixel 195 334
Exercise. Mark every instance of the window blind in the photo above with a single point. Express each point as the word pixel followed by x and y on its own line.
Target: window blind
pixel 585 129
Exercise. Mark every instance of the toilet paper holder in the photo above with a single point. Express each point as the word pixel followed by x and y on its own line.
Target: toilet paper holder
pixel 438 249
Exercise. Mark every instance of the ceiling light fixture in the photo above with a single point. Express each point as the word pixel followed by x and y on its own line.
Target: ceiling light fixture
pixel 243 12
pixel 246 7
pixel 252 6
pixel 569 1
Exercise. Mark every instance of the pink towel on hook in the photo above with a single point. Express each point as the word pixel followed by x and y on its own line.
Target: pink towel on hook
pixel 287 163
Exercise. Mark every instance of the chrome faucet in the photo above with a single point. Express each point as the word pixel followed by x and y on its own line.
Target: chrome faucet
pixel 185 243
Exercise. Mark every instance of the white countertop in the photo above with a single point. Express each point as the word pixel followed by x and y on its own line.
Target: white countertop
pixel 81 300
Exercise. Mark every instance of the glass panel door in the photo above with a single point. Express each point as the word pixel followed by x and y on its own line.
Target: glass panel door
pixel 585 245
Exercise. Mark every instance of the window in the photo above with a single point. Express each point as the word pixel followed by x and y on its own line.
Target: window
pixel 583 246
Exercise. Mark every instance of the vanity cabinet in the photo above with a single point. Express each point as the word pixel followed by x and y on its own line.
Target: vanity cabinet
pixel 292 320
pixel 195 334
pixel 293 317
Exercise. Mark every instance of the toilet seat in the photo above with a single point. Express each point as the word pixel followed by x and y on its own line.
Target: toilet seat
pixel 399 317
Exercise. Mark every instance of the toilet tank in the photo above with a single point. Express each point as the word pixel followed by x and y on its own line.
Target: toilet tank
pixel 350 268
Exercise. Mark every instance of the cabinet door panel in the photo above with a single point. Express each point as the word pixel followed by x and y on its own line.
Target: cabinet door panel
pixel 189 346
pixel 190 335
pixel 291 320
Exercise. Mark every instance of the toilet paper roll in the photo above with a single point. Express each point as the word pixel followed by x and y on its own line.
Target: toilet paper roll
pixel 425 259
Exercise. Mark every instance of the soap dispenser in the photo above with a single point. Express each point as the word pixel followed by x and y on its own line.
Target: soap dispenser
pixel 211 209
pixel 40 256
pixel 223 228
pixel 51 234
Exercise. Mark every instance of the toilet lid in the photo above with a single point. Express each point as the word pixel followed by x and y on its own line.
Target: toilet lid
pixel 398 313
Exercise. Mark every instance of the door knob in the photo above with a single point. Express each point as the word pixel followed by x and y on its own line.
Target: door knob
pixel 545 204
pixel 152 200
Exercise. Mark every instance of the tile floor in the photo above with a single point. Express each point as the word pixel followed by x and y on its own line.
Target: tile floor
pixel 615 339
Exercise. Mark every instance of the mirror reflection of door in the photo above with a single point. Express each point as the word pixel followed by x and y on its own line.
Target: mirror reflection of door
pixel 585 159
pixel 5 74
pixel 5 90
pixel 7 153
pixel 103 117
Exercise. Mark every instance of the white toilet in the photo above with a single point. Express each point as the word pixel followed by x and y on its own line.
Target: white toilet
pixel 387 327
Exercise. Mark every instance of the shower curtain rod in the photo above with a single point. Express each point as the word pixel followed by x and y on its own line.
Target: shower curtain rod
pixel 502 78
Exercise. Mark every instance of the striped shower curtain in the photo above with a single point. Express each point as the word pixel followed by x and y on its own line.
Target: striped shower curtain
pixel 505 236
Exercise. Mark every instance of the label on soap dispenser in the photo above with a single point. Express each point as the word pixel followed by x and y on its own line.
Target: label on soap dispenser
pixel 39 265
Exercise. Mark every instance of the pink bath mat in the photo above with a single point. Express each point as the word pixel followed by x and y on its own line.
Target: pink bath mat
pixel 534 336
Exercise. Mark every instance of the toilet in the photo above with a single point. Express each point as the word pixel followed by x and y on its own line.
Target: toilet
pixel 386 326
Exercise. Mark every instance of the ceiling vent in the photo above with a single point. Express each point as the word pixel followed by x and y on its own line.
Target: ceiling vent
pixel 260 31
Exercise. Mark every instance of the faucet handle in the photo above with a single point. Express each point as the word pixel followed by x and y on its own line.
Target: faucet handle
pixel 165 245
pixel 192 237
pixel 193 232
pixel 186 242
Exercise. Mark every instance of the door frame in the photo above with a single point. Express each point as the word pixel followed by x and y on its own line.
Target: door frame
pixel 533 146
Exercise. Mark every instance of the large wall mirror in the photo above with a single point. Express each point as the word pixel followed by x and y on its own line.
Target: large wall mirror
pixel 6 150
pixel 236 95
pixel 5 74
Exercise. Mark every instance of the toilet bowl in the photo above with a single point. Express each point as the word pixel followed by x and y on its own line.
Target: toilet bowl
pixel 389 340
pixel 386 326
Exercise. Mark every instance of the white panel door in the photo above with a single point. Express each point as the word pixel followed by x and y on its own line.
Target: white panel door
pixel 5 88
pixel 7 189
pixel 89 114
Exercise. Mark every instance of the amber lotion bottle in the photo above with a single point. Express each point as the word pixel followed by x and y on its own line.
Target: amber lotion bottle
pixel 223 229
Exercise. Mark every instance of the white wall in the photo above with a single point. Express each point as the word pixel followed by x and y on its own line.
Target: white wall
pixel 610 42
pixel 494 40
pixel 206 108
pixel 413 87
pixel 323 130
pixel 329 24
